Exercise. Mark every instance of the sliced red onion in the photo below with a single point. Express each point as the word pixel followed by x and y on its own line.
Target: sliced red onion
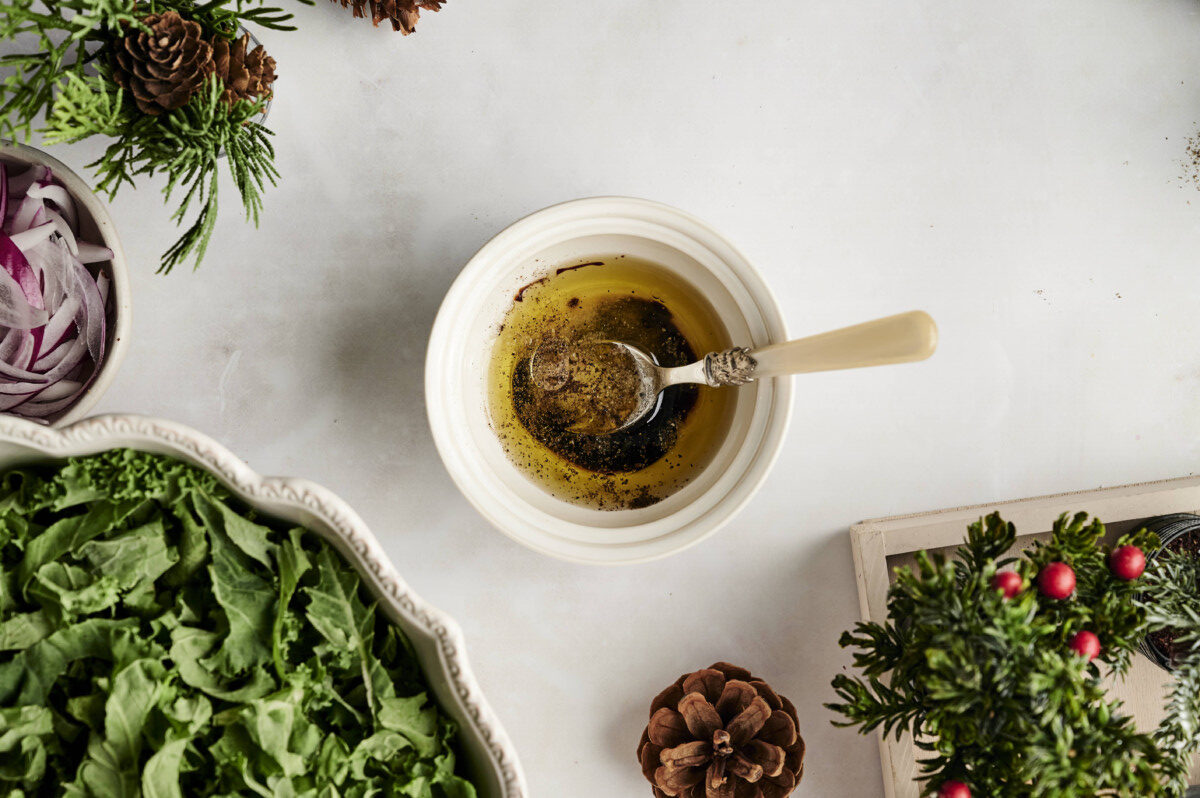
pixel 60 327
pixel 15 310
pixel 17 268
pixel 28 239
pixel 37 409
pixel 91 253
pixel 90 320
pixel 26 215
pixel 18 185
pixel 20 374
pixel 56 194
pixel 53 324
pixel 59 223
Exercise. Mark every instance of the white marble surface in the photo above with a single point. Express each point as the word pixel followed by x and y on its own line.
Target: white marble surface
pixel 1014 168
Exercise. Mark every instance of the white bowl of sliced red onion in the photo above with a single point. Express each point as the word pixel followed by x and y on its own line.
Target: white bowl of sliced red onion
pixel 64 290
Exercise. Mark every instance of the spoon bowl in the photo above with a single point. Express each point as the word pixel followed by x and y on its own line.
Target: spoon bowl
pixel 600 387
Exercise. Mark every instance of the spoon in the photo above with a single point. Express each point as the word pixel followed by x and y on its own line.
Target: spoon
pixel 618 384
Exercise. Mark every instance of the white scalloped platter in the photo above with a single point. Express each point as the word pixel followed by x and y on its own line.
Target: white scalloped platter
pixel 492 761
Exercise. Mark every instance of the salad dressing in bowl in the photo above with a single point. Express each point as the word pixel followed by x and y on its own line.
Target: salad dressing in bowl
pixel 619 298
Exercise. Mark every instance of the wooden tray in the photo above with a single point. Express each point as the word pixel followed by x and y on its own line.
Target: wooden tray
pixel 883 544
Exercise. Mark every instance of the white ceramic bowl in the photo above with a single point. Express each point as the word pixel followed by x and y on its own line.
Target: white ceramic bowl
pixel 95 226
pixel 462 339
pixel 436 637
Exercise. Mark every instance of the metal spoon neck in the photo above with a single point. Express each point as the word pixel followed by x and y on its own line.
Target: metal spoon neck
pixel 733 366
pixel 692 373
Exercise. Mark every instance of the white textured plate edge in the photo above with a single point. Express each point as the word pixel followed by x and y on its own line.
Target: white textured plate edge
pixel 340 524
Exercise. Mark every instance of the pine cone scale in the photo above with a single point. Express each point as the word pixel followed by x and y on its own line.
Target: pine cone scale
pixel 749 722
pixel 721 787
pixel 708 682
pixel 741 766
pixel 667 698
pixel 735 697
pixel 779 786
pixel 674 781
pixel 770 757
pixel 700 716
pixel 778 730
pixel 667 728
pixel 688 755
pixel 768 695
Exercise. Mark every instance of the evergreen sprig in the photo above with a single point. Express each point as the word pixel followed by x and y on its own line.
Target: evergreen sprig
pixel 988 686
pixel 61 74
pixel 187 144
pixel 1172 599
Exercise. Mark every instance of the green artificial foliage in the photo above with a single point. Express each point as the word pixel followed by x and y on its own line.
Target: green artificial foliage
pixel 989 686
pixel 1172 600
pixel 60 73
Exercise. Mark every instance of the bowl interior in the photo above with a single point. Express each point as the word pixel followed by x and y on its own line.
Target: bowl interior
pixel 95 226
pixel 319 511
pixel 461 348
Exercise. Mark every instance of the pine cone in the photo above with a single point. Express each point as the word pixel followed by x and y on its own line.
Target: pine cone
pixel 721 733
pixel 402 13
pixel 246 75
pixel 163 68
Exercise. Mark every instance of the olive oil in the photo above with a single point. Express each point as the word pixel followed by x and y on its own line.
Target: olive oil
pixel 615 298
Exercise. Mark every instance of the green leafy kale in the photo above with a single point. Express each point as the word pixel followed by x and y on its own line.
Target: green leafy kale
pixel 989 687
pixel 157 639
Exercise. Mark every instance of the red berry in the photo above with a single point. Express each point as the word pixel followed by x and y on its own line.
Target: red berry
pixel 1007 582
pixel 954 789
pixel 1056 581
pixel 1086 644
pixel 1127 562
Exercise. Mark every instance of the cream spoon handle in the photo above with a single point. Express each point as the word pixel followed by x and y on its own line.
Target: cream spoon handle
pixel 903 338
